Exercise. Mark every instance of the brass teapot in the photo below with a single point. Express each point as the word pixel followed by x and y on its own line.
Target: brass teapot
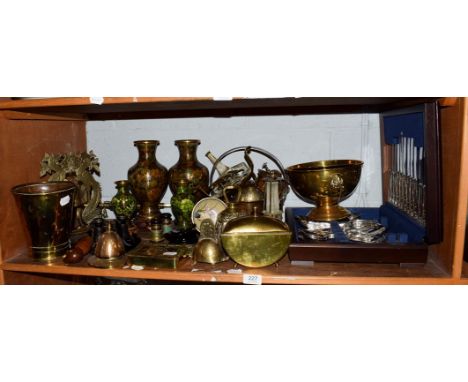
pixel 251 187
pixel 232 211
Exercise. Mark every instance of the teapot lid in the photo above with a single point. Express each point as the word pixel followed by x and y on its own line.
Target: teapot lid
pixel 255 224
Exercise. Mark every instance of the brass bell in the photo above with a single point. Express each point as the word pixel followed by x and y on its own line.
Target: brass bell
pixel 208 250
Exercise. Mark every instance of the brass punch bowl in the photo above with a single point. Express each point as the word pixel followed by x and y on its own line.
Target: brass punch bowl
pixel 325 184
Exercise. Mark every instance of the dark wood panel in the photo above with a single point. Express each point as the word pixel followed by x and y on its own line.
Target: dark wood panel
pixel 22 146
pixel 434 213
pixel 137 107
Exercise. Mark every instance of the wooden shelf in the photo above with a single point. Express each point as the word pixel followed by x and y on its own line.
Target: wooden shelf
pixel 170 107
pixel 284 273
pixel 25 118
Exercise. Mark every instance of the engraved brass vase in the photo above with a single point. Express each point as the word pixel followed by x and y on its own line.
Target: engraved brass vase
pixel 325 184
pixel 47 209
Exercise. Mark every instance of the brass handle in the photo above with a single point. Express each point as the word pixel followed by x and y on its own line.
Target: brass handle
pixel 238 196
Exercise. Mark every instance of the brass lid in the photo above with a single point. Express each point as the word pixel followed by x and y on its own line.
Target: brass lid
pixel 255 224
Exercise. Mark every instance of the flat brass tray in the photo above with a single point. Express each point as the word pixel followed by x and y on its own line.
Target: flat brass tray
pixel 158 255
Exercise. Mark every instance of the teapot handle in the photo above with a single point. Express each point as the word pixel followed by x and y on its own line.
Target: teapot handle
pixel 250 164
pixel 238 195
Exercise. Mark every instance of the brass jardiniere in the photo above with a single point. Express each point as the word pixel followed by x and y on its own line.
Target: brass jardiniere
pixel 47 209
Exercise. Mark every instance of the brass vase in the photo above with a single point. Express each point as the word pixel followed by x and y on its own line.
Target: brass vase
pixel 148 180
pixel 190 169
pixel 182 203
pixel 47 209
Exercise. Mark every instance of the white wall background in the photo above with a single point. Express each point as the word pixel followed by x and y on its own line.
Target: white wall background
pixel 292 139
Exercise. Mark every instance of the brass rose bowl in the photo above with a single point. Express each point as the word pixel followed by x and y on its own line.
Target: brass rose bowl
pixel 325 184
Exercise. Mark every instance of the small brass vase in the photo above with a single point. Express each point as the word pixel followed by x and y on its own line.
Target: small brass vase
pixel 124 203
pixel 148 180
pixel 182 203
pixel 47 209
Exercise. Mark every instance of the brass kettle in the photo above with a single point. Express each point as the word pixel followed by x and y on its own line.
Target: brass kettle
pixel 256 241
pixel 109 245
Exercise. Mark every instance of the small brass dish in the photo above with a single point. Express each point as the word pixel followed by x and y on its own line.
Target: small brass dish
pixel 325 184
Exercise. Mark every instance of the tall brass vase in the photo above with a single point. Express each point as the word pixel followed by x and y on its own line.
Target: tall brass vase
pixel 190 169
pixel 148 180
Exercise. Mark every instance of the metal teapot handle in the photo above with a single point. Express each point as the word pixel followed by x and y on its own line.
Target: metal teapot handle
pixel 238 195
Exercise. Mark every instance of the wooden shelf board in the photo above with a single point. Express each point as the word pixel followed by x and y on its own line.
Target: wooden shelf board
pixel 284 273
pixel 167 107
pixel 60 102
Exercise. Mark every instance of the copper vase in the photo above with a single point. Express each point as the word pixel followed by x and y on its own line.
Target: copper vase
pixel 148 180
pixel 190 169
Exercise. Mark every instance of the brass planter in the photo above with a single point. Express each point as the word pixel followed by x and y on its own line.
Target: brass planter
pixel 47 209
pixel 325 184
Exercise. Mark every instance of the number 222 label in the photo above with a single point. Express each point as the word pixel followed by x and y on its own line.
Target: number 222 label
pixel 252 279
